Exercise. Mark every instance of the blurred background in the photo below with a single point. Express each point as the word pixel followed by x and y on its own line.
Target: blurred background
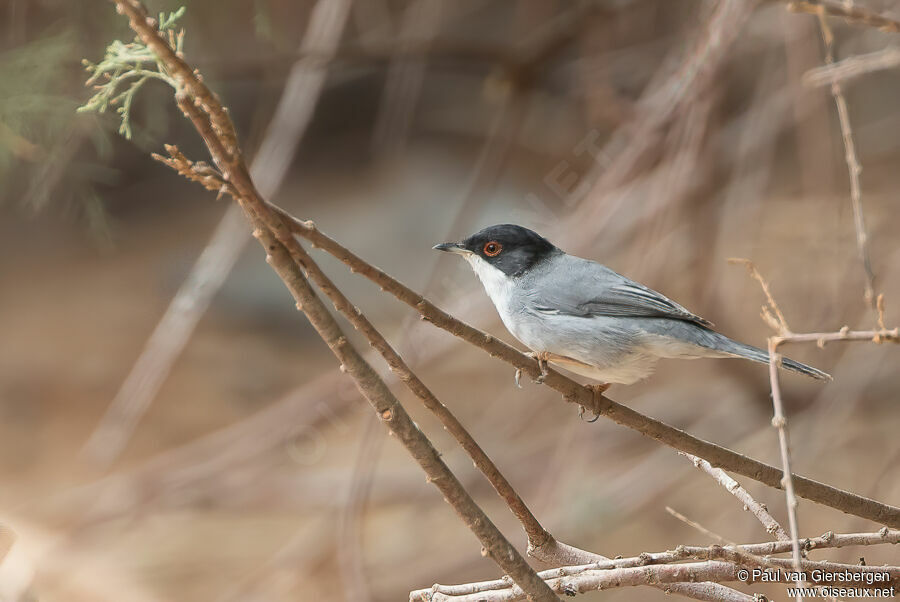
pixel 230 460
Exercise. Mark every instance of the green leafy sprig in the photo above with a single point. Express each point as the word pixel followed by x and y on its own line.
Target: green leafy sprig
pixel 125 68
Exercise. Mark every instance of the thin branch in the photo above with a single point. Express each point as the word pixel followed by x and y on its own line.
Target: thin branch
pixel 594 580
pixel 696 526
pixel 204 111
pixel 557 553
pixel 536 533
pixel 771 313
pixel 779 422
pixel 541 544
pixel 844 334
pixel 605 573
pixel 634 142
pixel 348 534
pixel 7 539
pixel 742 556
pixel 857 15
pixel 289 259
pixel 405 75
pixel 269 166
pixel 853 166
pixel 575 393
pixel 286 256
pixel 852 67
pixel 734 488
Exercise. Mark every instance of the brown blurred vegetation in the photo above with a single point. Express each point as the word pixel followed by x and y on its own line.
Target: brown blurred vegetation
pixel 314 503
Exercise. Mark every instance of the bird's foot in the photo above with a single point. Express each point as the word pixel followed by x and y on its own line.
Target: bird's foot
pixel 597 391
pixel 542 358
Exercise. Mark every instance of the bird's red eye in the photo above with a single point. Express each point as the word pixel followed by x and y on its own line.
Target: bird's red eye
pixel 493 248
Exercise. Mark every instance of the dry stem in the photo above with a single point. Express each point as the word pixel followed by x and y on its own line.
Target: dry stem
pixel 853 166
pixel 856 15
pixel 734 488
pixel 660 567
pixel 283 252
pixel 573 392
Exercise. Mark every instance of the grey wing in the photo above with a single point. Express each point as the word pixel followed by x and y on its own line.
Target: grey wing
pixel 580 287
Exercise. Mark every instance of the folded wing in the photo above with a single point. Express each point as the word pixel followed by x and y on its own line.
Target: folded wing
pixel 580 287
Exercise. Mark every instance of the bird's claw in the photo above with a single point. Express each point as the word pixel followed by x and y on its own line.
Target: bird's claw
pixel 542 357
pixel 518 377
pixel 581 415
pixel 597 390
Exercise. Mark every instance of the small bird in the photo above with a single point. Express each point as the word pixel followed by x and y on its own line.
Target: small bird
pixel 586 318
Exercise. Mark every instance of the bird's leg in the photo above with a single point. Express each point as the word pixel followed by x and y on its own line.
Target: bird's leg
pixel 596 390
pixel 542 357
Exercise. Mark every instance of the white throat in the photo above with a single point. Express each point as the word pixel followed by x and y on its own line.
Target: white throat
pixel 498 285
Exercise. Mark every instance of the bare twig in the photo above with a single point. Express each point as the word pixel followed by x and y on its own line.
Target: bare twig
pixel 855 14
pixel 575 393
pixel 742 556
pixel 883 335
pixel 292 115
pixel 631 144
pixel 289 259
pixel 734 488
pixel 540 545
pixel 780 423
pixel 771 313
pixel 852 67
pixel 537 535
pixel 589 579
pixel 349 529
pixel 7 539
pixel 284 254
pixel 853 166
pixel 557 553
pixel 696 526
pixel 605 573
pixel 405 75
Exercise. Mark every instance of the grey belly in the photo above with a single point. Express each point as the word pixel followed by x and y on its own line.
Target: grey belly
pixel 618 350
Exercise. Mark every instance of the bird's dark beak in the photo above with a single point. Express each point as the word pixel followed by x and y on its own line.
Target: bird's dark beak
pixel 452 247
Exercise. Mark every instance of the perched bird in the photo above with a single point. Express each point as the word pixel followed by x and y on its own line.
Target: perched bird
pixel 586 318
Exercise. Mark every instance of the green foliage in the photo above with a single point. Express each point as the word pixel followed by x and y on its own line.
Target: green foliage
pixel 33 104
pixel 127 67
pixel 262 21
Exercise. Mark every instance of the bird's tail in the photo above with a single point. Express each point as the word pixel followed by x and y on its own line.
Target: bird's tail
pixel 756 354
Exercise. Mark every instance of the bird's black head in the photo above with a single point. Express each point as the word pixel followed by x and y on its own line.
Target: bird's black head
pixel 510 248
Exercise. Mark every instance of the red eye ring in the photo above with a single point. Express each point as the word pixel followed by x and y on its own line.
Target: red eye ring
pixel 492 248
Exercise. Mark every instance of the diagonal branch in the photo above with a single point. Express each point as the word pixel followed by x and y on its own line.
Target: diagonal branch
pixel 734 488
pixel 268 168
pixel 275 231
pixel 283 252
pixel 573 392
pixel 286 257
pixel 539 539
